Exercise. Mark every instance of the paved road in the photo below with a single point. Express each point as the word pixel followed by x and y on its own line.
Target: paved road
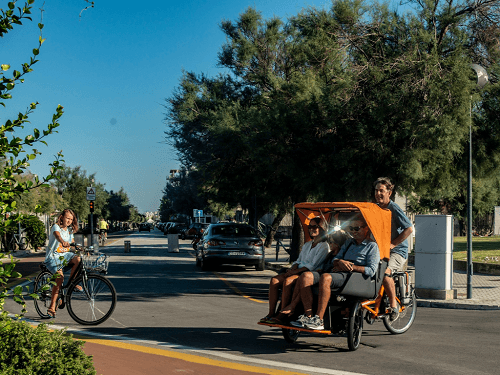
pixel 167 304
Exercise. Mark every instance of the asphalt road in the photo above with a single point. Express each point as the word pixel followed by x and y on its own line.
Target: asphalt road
pixel 165 301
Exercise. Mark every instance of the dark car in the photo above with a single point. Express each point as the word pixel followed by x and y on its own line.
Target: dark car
pixel 230 243
pixel 177 228
pixel 195 229
pixel 144 227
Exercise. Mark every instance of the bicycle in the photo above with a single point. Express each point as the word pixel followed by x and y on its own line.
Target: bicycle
pixel 18 240
pixel 102 238
pixel 89 296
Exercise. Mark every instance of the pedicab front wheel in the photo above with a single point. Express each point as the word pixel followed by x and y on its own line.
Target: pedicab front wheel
pixel 290 335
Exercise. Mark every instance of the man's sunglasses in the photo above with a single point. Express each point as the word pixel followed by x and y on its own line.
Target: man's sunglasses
pixel 313 226
pixel 355 229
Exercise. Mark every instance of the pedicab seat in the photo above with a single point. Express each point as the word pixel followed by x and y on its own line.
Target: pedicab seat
pixel 359 285
pixel 362 286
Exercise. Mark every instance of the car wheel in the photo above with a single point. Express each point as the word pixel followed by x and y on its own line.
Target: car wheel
pixel 260 266
pixel 204 265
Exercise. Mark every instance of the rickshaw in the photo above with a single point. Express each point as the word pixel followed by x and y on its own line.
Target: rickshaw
pixel 361 298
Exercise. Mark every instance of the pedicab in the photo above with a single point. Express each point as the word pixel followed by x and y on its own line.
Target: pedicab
pixel 361 298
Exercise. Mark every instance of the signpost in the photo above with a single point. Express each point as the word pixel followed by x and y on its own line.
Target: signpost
pixel 91 199
pixel 198 214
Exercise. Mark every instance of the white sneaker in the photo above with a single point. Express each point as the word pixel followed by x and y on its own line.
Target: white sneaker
pixel 300 321
pixel 315 323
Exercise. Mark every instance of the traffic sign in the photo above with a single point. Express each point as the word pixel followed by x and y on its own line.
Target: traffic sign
pixel 197 213
pixel 91 193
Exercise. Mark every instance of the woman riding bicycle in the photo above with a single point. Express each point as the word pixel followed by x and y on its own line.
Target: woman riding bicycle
pixel 58 254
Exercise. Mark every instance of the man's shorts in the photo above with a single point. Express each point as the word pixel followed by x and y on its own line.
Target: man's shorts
pixel 338 278
pixel 102 231
pixel 396 263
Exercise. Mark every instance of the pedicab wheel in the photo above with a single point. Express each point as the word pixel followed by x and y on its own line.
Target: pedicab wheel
pixel 290 335
pixel 355 328
pixel 405 318
pixel 43 289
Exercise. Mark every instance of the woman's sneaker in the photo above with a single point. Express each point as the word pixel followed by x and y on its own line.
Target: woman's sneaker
pixel 300 321
pixel 315 323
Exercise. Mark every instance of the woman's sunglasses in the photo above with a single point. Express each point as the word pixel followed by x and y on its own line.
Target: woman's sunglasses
pixel 355 229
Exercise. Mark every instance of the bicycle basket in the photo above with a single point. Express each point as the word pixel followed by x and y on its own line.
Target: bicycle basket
pixel 95 262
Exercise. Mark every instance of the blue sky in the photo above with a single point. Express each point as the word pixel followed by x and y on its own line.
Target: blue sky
pixel 112 69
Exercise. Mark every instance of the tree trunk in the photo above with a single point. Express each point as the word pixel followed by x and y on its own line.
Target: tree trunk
pixel 274 228
pixel 297 238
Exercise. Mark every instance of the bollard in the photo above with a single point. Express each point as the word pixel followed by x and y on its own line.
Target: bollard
pixel 173 243
pixel 127 246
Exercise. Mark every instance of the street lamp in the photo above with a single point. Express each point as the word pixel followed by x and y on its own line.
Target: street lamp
pixel 482 79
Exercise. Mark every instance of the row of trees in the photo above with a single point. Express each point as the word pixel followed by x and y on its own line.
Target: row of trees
pixel 69 190
pixel 320 105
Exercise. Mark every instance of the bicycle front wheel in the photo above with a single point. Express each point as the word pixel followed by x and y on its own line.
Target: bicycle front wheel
pixel 95 302
pixel 43 289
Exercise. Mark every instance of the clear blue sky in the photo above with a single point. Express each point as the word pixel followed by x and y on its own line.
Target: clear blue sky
pixel 112 69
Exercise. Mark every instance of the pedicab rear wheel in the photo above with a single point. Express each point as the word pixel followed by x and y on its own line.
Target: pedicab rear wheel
pixel 405 318
pixel 355 326
pixel 290 335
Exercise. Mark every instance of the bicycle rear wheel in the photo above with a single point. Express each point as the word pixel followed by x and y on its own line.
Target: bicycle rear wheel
pixel 23 244
pixel 95 303
pixel 43 289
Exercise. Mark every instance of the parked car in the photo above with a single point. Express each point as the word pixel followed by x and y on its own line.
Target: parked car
pixel 167 226
pixel 177 228
pixel 195 229
pixel 230 243
pixel 144 227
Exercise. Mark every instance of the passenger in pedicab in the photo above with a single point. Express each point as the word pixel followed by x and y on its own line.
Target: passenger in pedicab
pixel 401 228
pixel 308 279
pixel 310 258
pixel 358 254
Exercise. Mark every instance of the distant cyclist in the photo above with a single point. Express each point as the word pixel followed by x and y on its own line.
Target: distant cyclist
pixel 103 228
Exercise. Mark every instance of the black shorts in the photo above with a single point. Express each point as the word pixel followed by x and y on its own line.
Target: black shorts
pixel 102 231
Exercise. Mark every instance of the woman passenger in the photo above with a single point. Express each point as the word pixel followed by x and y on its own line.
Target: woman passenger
pixel 310 258
pixel 308 279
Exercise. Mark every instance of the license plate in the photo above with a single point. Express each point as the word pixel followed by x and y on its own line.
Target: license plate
pixel 237 253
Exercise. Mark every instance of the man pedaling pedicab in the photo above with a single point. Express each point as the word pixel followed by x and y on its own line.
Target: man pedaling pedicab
pixel 358 254
pixel 401 228
pixel 310 258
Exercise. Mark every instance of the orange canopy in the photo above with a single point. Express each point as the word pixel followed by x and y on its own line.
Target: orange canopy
pixel 378 219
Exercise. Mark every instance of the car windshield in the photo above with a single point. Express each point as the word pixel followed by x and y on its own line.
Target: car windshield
pixel 233 230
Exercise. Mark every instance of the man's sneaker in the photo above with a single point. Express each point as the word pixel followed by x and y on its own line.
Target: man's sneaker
pixel 393 313
pixel 315 323
pixel 300 321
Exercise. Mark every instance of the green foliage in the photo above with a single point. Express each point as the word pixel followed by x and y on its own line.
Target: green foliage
pixel 26 350
pixel 13 149
pixel 320 106
pixel 73 183
pixel 35 231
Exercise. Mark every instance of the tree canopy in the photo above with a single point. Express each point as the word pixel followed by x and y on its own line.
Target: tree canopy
pixel 320 105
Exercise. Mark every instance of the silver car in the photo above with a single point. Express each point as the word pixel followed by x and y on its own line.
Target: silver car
pixel 230 243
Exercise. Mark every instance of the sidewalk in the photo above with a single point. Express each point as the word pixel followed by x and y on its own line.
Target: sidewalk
pixel 485 288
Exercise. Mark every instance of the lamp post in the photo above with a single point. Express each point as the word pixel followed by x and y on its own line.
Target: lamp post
pixel 482 79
